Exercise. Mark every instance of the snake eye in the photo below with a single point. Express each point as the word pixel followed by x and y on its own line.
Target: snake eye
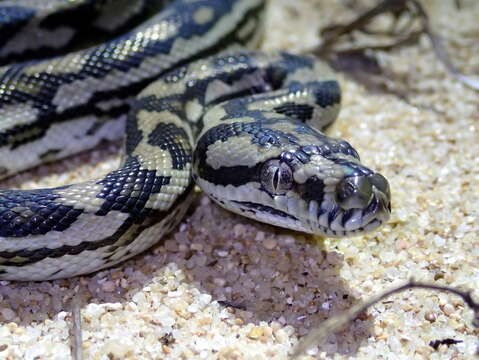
pixel 354 192
pixel 276 177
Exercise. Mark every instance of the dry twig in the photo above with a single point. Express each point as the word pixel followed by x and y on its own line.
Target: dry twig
pixel 336 323
pixel 76 335
pixel 332 35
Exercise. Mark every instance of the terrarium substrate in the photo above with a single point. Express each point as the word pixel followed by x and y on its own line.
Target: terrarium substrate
pixel 224 287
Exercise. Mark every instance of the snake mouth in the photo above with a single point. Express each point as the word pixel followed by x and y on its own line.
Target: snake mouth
pixel 329 220
pixel 353 222
pixel 339 223
pixel 260 208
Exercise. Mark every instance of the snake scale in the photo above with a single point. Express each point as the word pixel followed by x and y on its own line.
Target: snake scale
pixel 245 126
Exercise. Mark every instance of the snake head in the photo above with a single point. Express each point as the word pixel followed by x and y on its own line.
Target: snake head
pixel 319 187
pixel 325 190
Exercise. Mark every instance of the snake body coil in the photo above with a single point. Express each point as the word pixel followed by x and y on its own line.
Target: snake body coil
pixel 244 125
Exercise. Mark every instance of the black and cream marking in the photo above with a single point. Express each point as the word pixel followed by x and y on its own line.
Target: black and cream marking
pixel 59 101
pixel 39 29
pixel 246 126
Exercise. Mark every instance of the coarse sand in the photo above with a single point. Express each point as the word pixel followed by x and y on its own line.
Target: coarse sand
pixel 224 287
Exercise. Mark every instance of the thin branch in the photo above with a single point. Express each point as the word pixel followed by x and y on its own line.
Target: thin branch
pixel 332 34
pixel 404 41
pixel 440 50
pixel 76 336
pixel 336 323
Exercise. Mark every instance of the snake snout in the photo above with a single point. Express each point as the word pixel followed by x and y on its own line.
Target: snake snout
pixel 361 191
pixel 382 192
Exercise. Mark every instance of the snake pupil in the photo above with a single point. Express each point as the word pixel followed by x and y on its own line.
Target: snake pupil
pixel 276 178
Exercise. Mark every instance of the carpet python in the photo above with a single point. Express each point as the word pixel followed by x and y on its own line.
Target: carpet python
pixel 244 126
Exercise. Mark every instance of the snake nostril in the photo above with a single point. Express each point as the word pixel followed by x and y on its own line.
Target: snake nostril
pixel 354 192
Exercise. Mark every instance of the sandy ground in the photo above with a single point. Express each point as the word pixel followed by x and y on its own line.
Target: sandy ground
pixel 223 287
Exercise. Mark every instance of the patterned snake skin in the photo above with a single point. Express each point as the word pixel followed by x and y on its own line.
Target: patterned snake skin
pixel 244 125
